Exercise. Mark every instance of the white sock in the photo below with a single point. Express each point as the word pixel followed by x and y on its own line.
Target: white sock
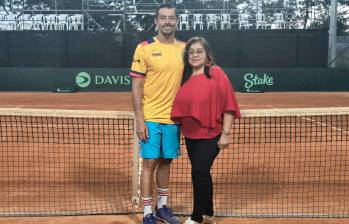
pixel 162 197
pixel 147 206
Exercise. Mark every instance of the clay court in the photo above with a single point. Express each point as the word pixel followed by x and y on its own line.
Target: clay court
pixel 122 102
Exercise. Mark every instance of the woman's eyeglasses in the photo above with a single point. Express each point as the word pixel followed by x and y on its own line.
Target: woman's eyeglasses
pixel 197 52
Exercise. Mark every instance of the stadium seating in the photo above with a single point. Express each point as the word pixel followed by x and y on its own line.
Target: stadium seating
pixel 62 22
pixel 50 22
pixel 225 21
pixel 211 19
pixel 260 21
pixel 183 21
pixel 41 22
pixel 24 22
pixel 279 21
pixel 38 21
pixel 2 22
pixel 197 20
pixel 10 22
pixel 76 22
pixel 244 21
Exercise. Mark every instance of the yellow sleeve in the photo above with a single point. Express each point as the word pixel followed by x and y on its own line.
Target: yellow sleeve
pixel 138 67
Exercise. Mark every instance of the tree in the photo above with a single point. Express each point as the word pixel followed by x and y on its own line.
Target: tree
pixel 18 5
pixel 2 4
pixel 321 7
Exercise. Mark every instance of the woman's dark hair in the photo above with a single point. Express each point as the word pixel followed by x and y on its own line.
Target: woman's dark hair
pixel 188 69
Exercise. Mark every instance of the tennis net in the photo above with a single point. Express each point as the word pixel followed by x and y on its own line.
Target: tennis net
pixel 280 163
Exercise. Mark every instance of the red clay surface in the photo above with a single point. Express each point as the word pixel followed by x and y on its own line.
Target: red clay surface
pixel 123 102
pixel 136 219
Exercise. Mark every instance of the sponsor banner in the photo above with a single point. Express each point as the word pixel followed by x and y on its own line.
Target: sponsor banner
pixel 257 82
pixel 101 80
pixel 118 80
pixel 65 79
pixel 288 79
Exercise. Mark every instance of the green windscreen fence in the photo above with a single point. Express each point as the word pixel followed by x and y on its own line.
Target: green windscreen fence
pixel 4 50
pixel 95 50
pixel 237 49
pixel 37 49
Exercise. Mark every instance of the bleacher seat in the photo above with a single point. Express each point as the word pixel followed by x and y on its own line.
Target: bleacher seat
pixel 11 21
pixel 76 22
pixel 225 21
pixel 25 22
pixel 50 22
pixel 183 21
pixel 198 20
pixel 62 22
pixel 244 21
pixel 38 21
pixel 260 21
pixel 211 19
pixel 279 21
pixel 2 22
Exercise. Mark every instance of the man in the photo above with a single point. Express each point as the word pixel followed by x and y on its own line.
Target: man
pixel 156 72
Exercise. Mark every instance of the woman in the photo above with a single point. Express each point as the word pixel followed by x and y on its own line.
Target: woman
pixel 205 106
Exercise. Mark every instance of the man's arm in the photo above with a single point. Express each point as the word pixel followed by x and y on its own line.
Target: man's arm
pixel 137 98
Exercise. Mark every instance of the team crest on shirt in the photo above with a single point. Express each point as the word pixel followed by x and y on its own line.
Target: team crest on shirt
pixel 136 60
pixel 156 53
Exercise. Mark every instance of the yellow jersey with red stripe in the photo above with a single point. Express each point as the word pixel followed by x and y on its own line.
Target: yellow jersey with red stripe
pixel 161 65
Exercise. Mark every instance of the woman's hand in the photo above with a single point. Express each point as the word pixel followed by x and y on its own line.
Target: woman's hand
pixel 223 141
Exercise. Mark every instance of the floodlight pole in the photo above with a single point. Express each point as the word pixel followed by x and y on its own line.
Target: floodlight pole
pixel 124 22
pixel 332 40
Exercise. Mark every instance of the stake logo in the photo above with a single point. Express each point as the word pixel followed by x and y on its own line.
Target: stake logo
pixel 252 80
pixel 83 79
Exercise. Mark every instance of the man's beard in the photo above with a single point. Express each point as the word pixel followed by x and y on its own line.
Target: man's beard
pixel 168 34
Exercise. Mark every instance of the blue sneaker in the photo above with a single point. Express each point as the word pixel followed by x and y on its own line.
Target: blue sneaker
pixel 149 219
pixel 165 215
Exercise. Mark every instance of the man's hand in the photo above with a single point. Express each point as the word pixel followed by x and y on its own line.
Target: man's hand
pixel 137 96
pixel 142 131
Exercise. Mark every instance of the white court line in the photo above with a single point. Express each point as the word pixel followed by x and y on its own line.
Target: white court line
pixel 315 121
pixel 33 106
pixel 325 125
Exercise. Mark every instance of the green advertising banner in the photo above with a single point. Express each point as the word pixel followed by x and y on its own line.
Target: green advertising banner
pixel 65 79
pixel 289 79
pixel 112 80
pixel 118 80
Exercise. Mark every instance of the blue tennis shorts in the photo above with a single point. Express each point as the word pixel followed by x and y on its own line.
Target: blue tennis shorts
pixel 163 141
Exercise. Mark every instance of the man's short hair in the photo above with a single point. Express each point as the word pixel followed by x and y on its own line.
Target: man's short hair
pixel 165 5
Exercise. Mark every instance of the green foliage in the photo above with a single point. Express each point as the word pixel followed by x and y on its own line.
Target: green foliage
pixel 322 9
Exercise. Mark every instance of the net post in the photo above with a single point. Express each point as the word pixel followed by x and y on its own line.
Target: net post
pixel 135 169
